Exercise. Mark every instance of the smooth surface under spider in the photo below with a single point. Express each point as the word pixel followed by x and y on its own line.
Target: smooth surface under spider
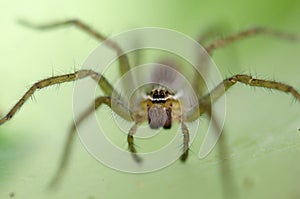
pixel 160 107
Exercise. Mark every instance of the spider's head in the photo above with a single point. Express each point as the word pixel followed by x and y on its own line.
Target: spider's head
pixel 159 107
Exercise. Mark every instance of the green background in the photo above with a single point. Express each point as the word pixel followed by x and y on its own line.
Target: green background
pixel 261 126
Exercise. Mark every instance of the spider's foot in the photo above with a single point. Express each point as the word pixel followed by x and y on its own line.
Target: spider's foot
pixel 132 149
pixel 136 158
pixel 25 23
pixel 184 156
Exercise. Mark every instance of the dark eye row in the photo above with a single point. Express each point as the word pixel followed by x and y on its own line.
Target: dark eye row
pixel 159 94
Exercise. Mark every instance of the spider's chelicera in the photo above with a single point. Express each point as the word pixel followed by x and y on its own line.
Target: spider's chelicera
pixel 161 106
pixel 160 103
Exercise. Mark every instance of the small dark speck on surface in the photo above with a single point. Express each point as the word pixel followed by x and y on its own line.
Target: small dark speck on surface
pixel 248 182
pixel 12 194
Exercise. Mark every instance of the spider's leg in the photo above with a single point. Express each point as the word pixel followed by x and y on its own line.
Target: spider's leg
pixel 119 108
pixel 198 82
pixel 71 135
pixel 248 33
pixel 203 60
pixel 123 60
pixel 226 173
pixel 207 35
pixel 52 81
pixel 205 101
pixel 249 80
pixel 186 139
pixel 70 139
pixel 212 33
pixel 130 141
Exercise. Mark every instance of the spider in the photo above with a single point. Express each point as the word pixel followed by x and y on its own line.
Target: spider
pixel 160 108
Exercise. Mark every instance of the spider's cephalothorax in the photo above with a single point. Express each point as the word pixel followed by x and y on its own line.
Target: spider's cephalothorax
pixel 159 108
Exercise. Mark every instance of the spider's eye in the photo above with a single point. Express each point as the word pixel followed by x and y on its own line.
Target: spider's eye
pixel 161 94
pixel 155 94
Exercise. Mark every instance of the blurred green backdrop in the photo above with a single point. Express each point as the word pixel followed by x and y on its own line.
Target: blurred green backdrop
pixel 261 126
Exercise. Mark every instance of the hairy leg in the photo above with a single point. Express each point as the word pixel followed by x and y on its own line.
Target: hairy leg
pixel 71 135
pixel 226 173
pixel 56 80
pixel 205 102
pixel 186 140
pixel 203 60
pixel 123 59
pixel 130 141
pixel 219 43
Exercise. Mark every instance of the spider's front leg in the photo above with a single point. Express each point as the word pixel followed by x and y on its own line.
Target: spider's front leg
pixel 102 82
pixel 206 101
pixel 250 81
pixel 52 81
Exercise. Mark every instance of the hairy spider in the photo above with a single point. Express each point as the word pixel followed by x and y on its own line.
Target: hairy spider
pixel 160 106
